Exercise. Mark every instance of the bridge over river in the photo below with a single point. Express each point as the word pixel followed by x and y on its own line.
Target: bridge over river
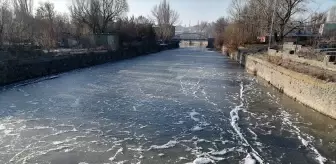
pixel 179 106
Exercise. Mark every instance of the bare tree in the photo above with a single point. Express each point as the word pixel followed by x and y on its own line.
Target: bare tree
pixel 143 20
pixel 285 11
pixel 98 14
pixel 165 18
pixel 5 20
pixel 254 17
pixel 236 9
pixel 201 27
pixel 219 28
pixel 45 16
pixel 23 6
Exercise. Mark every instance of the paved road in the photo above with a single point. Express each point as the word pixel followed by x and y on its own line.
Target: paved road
pixel 180 106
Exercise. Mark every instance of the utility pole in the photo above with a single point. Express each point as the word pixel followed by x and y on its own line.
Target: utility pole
pixel 270 34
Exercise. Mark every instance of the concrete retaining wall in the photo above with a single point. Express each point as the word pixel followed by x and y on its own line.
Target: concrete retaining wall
pixel 312 92
pixel 324 65
pixel 17 70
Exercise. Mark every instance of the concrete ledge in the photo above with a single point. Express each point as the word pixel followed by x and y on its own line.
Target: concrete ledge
pixel 310 91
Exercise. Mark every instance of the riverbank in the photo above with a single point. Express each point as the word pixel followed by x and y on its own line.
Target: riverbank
pixel 308 90
pixel 12 71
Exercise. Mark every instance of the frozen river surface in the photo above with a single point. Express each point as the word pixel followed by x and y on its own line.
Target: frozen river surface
pixel 181 106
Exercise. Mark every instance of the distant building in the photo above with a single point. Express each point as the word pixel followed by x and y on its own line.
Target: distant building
pixel 329 27
pixel 331 15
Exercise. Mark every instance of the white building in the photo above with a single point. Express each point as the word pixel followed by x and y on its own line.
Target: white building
pixel 331 16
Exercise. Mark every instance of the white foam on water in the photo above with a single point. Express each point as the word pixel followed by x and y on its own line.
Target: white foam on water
pixel 83 163
pixel 165 146
pixel 122 162
pixel 143 126
pixel 57 142
pixel 249 160
pixel 254 134
pixel 222 152
pixel 179 123
pixel 286 120
pixel 39 128
pixel 76 103
pixel 234 123
pixel 32 102
pixel 2 127
pixel 161 154
pixel 115 155
pixel 8 131
pixel 202 160
pixel 193 114
pixel 197 128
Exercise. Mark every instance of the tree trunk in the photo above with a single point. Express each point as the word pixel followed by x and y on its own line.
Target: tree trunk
pixel 282 32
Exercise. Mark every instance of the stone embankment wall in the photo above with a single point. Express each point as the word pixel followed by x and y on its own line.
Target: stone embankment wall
pixel 326 64
pixel 18 70
pixel 315 93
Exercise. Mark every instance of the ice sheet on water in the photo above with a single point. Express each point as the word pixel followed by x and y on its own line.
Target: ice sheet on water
pixel 115 155
pixel 249 160
pixel 222 152
pixel 202 160
pixel 193 114
pixel 197 128
pixel 161 154
pixel 2 127
pixel 165 146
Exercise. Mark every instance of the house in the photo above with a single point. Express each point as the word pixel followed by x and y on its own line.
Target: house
pixel 328 28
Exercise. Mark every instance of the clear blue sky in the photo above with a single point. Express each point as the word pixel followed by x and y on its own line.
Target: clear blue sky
pixel 189 10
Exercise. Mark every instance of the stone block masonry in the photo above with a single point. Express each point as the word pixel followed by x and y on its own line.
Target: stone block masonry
pixel 317 94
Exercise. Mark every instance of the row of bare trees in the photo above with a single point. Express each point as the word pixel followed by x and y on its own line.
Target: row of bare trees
pixel 23 24
pixel 19 25
pixel 250 19
pixel 165 18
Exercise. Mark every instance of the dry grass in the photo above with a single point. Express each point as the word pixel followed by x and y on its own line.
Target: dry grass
pixel 311 55
pixel 326 75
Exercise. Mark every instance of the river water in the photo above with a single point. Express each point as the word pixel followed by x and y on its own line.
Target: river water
pixel 180 106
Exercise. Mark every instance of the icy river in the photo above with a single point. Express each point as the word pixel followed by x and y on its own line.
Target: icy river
pixel 180 106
